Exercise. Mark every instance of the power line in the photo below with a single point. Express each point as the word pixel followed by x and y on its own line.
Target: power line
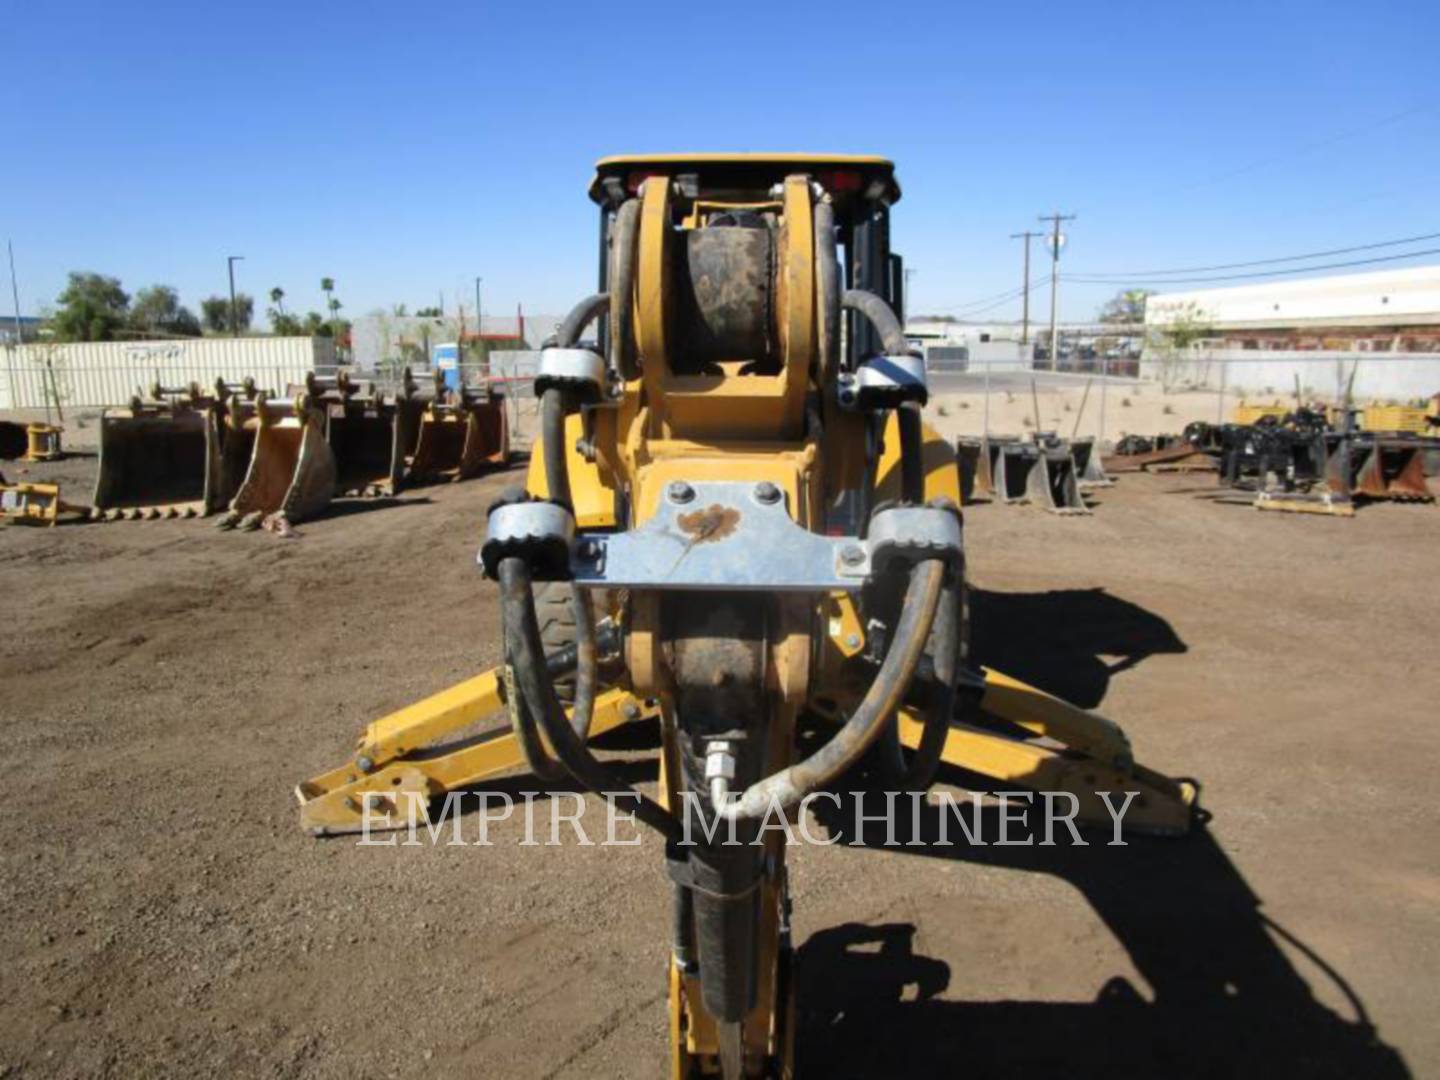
pixel 1083 280
pixel 1260 262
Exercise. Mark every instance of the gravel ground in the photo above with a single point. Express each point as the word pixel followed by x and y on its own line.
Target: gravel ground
pixel 166 685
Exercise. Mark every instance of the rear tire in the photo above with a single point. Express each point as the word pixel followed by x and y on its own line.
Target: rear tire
pixel 556 615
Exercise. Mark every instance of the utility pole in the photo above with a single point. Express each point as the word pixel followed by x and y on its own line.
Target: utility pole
pixel 479 315
pixel 1056 241
pixel 1025 318
pixel 234 311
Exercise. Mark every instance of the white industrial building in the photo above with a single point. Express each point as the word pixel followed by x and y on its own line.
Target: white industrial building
pixel 1377 334
pixel 1389 310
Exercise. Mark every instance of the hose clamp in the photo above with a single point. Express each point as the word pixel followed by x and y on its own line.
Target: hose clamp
pixel 540 533
pixel 909 534
pixel 885 382
pixel 578 371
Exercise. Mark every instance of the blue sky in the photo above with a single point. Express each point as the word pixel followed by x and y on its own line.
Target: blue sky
pixel 405 148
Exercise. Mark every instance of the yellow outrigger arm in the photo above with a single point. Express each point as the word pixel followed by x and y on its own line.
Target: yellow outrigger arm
pixel 398 763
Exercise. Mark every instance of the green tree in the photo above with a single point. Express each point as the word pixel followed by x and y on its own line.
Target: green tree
pixel 428 313
pixel 1126 306
pixel 215 311
pixel 93 307
pixel 283 324
pixel 157 310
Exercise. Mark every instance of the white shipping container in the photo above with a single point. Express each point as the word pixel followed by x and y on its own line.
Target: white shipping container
pixel 105 373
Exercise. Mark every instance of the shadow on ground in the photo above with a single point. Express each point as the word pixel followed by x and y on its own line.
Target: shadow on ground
pixel 1221 998
pixel 1068 642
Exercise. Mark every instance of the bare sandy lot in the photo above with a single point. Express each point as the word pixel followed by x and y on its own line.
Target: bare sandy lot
pixel 166 685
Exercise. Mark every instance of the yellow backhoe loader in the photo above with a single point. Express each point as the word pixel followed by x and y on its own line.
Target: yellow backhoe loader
pixel 751 535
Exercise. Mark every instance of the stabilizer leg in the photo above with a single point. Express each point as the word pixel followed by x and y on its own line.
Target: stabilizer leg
pixel 1087 754
pixel 396 769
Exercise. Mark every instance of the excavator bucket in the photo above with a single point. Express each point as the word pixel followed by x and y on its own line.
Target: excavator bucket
pixel 1010 465
pixel 166 455
pixel 1393 468
pixel 1089 470
pixel 973 458
pixel 460 432
pixel 368 433
pixel 292 468
pixel 1052 483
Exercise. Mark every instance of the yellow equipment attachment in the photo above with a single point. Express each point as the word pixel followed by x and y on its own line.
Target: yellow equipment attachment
pixel 33 504
pixel 167 455
pixel 291 475
pixel 738 474
pixel 459 431
pixel 1247 414
pixel 1410 418
pixel 369 433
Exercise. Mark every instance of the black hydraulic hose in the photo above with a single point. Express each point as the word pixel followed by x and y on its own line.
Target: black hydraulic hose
pixel 789 786
pixel 522 715
pixel 586 663
pixel 918 773
pixel 827 273
pixel 553 408
pixel 881 317
pixel 581 315
pixel 626 237
pixel 912 453
pixel 522 638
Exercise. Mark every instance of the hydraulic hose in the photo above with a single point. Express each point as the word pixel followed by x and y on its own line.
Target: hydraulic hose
pixel 918 772
pixel 553 409
pixel 912 453
pixel 881 317
pixel 522 710
pixel 522 640
pixel 581 315
pixel 789 786
pixel 626 237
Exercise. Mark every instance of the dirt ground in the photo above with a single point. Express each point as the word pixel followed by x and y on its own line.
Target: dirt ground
pixel 165 686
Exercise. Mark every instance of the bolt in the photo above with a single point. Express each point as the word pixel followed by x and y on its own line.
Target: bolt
pixel 767 493
pixel 852 641
pixel 364 764
pixel 852 555
pixel 680 492
pixel 630 711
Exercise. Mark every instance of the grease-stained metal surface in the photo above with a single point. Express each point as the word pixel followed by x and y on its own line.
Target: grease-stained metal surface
pixel 710 525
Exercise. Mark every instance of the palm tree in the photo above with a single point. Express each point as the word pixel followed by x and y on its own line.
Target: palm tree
pixel 327 286
pixel 277 297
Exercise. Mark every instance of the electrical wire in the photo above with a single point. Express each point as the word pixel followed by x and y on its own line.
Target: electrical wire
pixel 1082 280
pixel 1258 262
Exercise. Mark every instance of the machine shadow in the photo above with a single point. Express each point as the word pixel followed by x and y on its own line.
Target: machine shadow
pixel 1222 999
pixel 1059 641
